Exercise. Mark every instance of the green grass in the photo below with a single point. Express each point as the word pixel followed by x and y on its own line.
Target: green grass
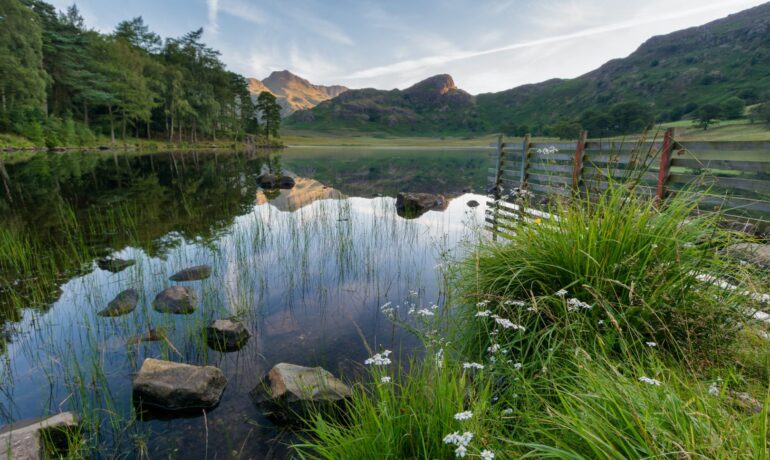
pixel 638 359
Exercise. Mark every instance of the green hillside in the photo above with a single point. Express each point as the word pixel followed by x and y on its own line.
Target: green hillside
pixel 666 79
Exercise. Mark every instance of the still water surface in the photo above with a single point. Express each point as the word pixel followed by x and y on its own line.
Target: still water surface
pixel 306 269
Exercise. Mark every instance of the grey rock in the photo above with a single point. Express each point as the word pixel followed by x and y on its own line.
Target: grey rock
pixel 756 253
pixel 199 272
pixel 175 386
pixel 289 389
pixel 178 300
pixel 412 205
pixel 226 335
pixel 472 204
pixel 25 440
pixel 275 181
pixel 114 265
pixel 123 303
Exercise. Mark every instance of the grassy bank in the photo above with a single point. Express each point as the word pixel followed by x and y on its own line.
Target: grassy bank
pixel 608 333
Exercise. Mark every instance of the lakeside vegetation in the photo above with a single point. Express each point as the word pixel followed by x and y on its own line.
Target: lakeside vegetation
pixel 606 333
pixel 63 84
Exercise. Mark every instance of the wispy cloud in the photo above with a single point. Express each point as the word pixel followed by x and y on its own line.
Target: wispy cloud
pixel 319 26
pixel 213 15
pixel 237 9
pixel 441 59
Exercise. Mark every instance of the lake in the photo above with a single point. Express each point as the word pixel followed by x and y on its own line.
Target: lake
pixel 305 269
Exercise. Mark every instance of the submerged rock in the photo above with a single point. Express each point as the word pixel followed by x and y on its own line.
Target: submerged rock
pixel 199 272
pixel 152 335
pixel 178 300
pixel 472 204
pixel 756 253
pixel 289 389
pixel 114 265
pixel 226 335
pixel 411 205
pixel 175 386
pixel 123 303
pixel 25 440
pixel 274 181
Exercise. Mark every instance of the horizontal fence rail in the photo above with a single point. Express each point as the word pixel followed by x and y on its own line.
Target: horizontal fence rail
pixel 729 177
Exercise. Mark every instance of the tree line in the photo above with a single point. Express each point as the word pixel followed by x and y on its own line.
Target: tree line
pixel 62 83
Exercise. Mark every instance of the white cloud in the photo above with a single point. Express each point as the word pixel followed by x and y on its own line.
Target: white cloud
pixel 240 10
pixel 213 12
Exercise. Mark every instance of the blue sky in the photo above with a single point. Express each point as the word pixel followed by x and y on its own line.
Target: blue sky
pixel 486 45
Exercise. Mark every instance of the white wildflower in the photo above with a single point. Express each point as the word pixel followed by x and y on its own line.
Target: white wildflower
pixel 508 324
pixel 452 438
pixel 600 322
pixel 483 303
pixel 385 379
pixel 483 314
pixel 561 292
pixel 649 381
pixel 379 359
pixel 494 348
pixel 514 303
pixel 460 452
pixel 464 415
pixel 473 366
pixel 574 304
pixel 507 411
pixel 425 312
pixel 487 454
pixel 651 344
pixel 465 438
pixel 714 389
pixel 517 366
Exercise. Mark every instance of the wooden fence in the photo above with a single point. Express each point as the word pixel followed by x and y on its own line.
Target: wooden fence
pixel 731 177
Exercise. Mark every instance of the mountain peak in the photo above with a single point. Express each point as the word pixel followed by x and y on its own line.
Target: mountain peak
pixel 437 84
pixel 294 92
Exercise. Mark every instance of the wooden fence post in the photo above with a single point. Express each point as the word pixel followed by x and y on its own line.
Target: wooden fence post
pixel 500 164
pixel 665 166
pixel 577 166
pixel 524 162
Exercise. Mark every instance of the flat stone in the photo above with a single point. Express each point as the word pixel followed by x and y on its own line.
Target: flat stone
pixel 226 335
pixel 412 205
pixel 175 386
pixel 123 303
pixel 756 253
pixel 114 265
pixel 25 440
pixel 288 389
pixel 179 300
pixel 199 272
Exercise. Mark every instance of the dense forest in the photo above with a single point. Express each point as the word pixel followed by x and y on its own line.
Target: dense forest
pixel 62 83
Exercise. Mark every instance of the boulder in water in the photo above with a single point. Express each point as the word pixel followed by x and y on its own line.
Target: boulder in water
pixel 26 439
pixel 123 303
pixel 411 205
pixel 289 389
pixel 472 203
pixel 175 386
pixel 114 265
pixel 275 181
pixel 178 300
pixel 226 335
pixel 198 272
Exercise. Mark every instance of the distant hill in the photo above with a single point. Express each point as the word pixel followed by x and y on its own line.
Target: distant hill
pixel 670 75
pixel 432 105
pixel 293 92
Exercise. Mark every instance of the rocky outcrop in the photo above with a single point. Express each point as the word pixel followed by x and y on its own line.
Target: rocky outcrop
pixel 122 304
pixel 289 389
pixel 114 265
pixel 275 181
pixel 412 205
pixel 292 92
pixel 175 386
pixel 199 272
pixel 226 335
pixel 178 300
pixel 25 440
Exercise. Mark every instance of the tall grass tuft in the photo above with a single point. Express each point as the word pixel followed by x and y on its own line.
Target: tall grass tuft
pixel 620 261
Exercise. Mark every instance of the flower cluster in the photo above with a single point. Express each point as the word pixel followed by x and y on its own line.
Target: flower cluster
pixel 514 303
pixel 473 366
pixel 561 292
pixel 464 415
pixel 461 441
pixel 385 379
pixel 550 150
pixel 574 304
pixel 649 381
pixel 508 324
pixel 483 314
pixel 379 359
